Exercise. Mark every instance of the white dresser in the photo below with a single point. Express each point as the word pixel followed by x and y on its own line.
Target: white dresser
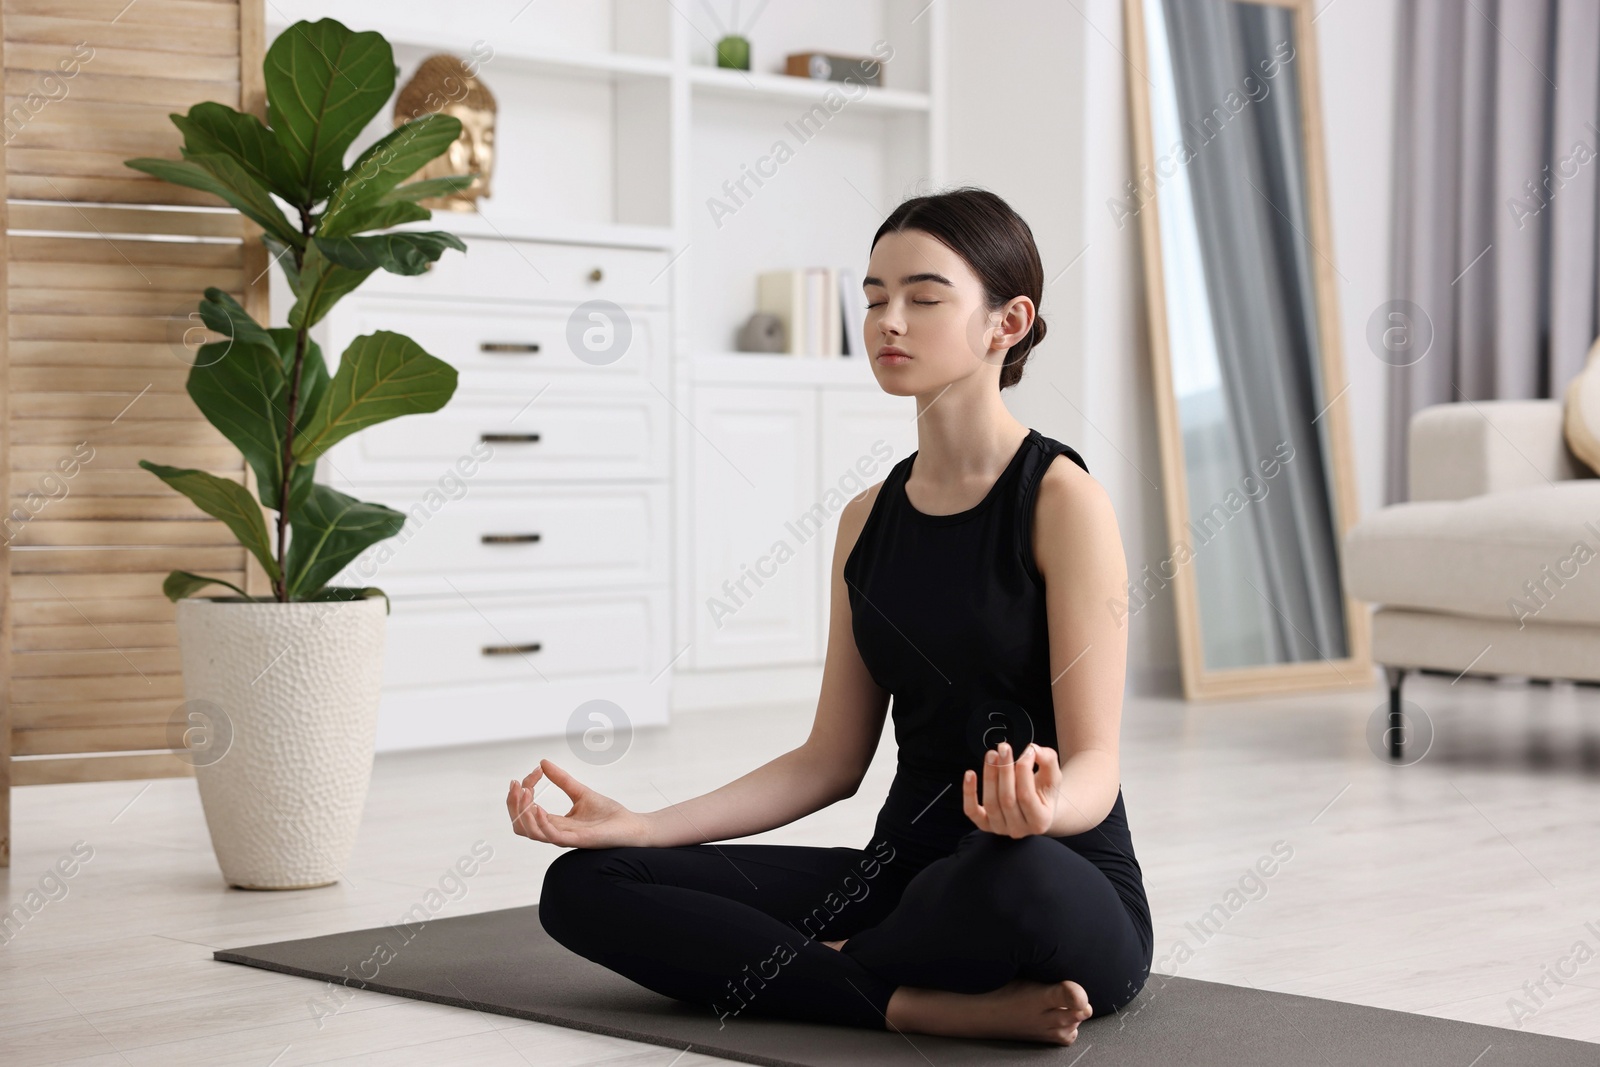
pixel 532 575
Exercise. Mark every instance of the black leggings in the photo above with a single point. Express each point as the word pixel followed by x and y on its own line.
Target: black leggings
pixel 739 927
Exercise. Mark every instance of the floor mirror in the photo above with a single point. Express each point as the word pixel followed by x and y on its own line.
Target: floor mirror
pixel 1232 205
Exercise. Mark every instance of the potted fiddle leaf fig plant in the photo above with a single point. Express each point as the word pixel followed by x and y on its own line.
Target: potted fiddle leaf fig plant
pixel 284 687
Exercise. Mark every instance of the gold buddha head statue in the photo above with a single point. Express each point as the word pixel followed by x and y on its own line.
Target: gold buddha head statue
pixel 446 85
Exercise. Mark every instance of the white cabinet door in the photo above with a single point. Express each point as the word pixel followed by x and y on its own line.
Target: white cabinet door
pixel 757 526
pixel 865 432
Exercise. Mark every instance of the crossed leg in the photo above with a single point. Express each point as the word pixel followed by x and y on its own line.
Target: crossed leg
pixel 1027 929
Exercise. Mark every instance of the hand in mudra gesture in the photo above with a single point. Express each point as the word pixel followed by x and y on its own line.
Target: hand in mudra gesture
pixel 1017 800
pixel 595 821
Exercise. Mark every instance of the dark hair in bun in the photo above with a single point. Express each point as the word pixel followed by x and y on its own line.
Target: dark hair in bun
pixel 996 243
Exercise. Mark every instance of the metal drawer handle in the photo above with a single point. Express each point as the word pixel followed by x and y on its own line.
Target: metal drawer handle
pixel 596 274
pixel 509 438
pixel 513 347
pixel 510 650
pixel 510 539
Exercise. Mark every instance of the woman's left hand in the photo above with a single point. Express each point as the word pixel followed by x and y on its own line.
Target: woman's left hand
pixel 1017 801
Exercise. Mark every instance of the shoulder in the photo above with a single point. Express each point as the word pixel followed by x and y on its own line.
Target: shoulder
pixel 1072 513
pixel 853 518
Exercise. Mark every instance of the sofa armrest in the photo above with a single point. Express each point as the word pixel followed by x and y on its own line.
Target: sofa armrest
pixel 1487 446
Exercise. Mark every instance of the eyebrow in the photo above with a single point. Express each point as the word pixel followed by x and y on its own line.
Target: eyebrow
pixel 909 279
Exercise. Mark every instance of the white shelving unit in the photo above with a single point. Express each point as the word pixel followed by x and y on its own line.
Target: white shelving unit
pixel 620 141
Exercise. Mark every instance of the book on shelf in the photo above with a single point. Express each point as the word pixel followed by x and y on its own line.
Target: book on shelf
pixel 821 317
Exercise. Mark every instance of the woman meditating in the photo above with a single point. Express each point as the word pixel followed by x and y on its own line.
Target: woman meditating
pixel 982 586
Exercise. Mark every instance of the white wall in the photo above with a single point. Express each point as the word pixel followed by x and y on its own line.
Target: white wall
pixel 1039 114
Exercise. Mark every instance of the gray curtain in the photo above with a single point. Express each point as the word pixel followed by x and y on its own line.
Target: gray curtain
pixel 1494 234
pixel 1247 179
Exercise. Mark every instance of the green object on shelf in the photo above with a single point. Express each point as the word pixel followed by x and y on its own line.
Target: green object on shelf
pixel 733 52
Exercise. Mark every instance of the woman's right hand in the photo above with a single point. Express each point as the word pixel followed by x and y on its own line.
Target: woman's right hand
pixel 595 821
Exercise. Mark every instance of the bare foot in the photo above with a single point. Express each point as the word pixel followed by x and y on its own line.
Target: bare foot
pixel 836 944
pixel 1020 1010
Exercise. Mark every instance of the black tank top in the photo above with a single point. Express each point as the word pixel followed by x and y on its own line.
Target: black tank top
pixel 948 613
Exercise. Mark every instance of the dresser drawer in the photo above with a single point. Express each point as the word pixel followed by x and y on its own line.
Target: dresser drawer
pixel 491 541
pixel 496 347
pixel 515 639
pixel 567 433
pixel 494 268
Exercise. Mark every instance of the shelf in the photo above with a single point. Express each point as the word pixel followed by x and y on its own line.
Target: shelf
pixel 767 368
pixel 759 86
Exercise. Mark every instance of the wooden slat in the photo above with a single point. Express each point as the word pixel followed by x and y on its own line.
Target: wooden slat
pixel 80 507
pixel 98 688
pixel 98 327
pixel 44 457
pixel 80 163
pixel 145 131
pixel 131 380
pixel 90 482
pixel 90 247
pixel 124 62
pixel 53 561
pixel 132 190
pixel 95 637
pixel 97 221
pixel 99 769
pixel 195 432
pixel 163 302
pixel 91 84
pixel 97 408
pixel 86 715
pixel 97 610
pixel 47 532
pixel 202 43
pixel 119 737
pixel 121 275
pixel 78 588
pixel 153 12
pixel 68 112
pixel 143 663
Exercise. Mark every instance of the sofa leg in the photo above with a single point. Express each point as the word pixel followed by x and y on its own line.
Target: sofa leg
pixel 1394 676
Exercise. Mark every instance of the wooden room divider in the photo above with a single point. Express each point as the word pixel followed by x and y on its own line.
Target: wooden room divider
pixel 102 268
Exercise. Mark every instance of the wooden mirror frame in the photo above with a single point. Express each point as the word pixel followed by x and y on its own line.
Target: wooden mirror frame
pixel 1200 683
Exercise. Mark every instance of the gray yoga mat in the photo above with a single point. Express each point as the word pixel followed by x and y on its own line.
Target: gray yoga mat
pixel 504 962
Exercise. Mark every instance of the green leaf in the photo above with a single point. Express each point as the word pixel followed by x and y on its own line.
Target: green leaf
pixel 212 127
pixel 381 376
pixel 222 313
pixel 242 388
pixel 283 257
pixel 218 173
pixel 350 593
pixel 324 84
pixel 225 500
pixel 329 530
pixel 322 283
pixel 429 187
pixel 398 253
pixel 239 386
pixel 377 216
pixel 386 164
pixel 180 584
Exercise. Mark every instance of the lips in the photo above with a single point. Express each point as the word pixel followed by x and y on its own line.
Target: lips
pixel 890 354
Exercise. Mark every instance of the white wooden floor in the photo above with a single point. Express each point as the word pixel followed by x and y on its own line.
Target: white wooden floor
pixel 1451 887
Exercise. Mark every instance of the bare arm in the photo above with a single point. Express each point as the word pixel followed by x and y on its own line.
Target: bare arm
pixel 827 767
pixel 1079 554
pixel 1079 551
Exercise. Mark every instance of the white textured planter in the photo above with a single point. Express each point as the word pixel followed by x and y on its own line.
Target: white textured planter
pixel 293 691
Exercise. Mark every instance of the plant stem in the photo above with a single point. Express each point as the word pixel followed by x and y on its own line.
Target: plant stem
pixel 280 587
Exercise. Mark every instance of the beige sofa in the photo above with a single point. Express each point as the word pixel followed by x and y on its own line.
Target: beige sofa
pixel 1493 566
